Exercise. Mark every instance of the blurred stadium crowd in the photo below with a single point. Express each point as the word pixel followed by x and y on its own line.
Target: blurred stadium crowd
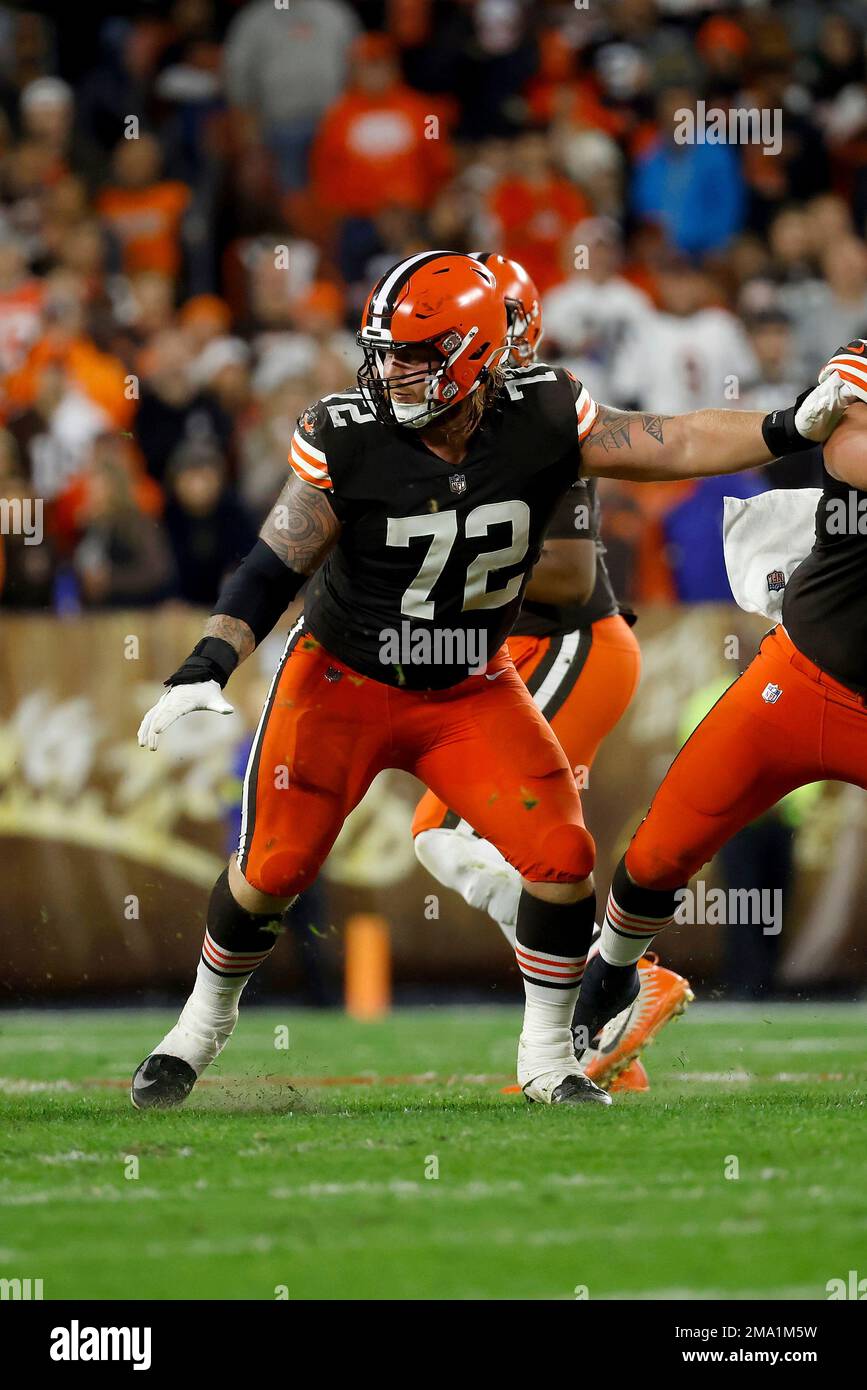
pixel 194 204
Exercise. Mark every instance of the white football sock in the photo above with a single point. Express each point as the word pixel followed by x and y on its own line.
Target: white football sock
pixel 626 936
pixel 546 1052
pixel 209 1016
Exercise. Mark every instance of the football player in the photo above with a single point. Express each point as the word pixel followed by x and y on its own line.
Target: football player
pixel 418 503
pixel 578 657
pixel 796 715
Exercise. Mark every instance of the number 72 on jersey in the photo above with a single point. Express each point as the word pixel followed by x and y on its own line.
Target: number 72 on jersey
pixel 443 530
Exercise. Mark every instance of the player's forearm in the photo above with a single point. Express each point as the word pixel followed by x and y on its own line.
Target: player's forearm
pixel 708 443
pixel 251 603
pixel 232 630
pixel 297 535
pixel 643 447
pixel 662 448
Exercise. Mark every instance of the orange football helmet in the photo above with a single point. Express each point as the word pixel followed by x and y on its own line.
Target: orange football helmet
pixel 523 308
pixel 446 302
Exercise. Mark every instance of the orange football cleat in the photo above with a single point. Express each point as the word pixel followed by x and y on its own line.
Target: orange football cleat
pixel 662 996
pixel 632 1078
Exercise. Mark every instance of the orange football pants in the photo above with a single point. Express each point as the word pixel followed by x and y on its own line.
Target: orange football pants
pixel 783 723
pixel 483 746
pixel 582 682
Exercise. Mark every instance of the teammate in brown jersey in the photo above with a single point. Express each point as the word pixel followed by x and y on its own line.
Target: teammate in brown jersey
pixel 797 714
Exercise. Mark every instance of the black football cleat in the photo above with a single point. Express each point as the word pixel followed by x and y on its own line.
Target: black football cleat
pixel 161 1082
pixel 606 990
pixel 574 1089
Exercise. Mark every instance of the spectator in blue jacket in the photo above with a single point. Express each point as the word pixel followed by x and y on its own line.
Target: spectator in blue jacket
pixel 695 190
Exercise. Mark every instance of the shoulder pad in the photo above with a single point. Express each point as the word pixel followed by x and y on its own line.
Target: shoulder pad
pixel 559 397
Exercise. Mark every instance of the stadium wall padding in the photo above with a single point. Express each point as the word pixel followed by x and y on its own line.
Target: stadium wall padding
pixel 109 851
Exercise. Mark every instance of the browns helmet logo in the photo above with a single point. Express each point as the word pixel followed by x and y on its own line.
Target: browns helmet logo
pixel 309 421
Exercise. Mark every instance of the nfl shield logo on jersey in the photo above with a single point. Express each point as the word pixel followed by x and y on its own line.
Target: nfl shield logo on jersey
pixel 771 693
pixel 458 484
pixel 776 581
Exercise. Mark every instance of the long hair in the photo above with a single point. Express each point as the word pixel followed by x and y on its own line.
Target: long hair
pixel 483 399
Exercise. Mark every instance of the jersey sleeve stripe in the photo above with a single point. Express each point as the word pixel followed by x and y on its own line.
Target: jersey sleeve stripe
pixel 324 483
pixel 310 472
pixel 306 466
pixel 586 409
pixel 315 455
pixel 312 468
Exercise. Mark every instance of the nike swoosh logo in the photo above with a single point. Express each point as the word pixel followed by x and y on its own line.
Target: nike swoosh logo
pixel 850 347
pixel 495 676
pixel 140 1085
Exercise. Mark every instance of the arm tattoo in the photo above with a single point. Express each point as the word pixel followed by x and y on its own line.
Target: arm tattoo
pixel 301 527
pixel 611 428
pixel 233 631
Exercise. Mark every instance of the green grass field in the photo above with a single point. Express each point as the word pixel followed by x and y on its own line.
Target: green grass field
pixel 322 1188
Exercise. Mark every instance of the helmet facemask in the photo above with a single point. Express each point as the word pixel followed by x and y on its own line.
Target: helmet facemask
pixel 519 321
pixel 441 393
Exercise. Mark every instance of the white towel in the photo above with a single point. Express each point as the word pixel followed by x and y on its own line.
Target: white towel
pixel 765 538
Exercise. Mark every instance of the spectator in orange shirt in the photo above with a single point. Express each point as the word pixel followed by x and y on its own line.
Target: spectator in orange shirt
pixel 97 379
pixel 144 212
pixel 532 210
pixel 380 143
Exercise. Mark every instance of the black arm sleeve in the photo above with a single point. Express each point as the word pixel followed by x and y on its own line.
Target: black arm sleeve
pixel 258 594
pixel 260 590
pixel 780 432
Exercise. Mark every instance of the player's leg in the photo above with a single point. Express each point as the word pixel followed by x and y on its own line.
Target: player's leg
pixel 759 741
pixel 296 797
pixel 497 762
pixel 582 682
pixel 583 703
pixel 581 717
pixel 451 849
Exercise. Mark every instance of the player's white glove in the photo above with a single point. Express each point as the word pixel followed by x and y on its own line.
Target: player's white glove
pixel 815 415
pixel 178 700
pixel 849 365
pixel 821 411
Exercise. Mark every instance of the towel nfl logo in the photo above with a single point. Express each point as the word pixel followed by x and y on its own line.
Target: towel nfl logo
pixel 776 581
pixel 771 693
pixel 458 483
